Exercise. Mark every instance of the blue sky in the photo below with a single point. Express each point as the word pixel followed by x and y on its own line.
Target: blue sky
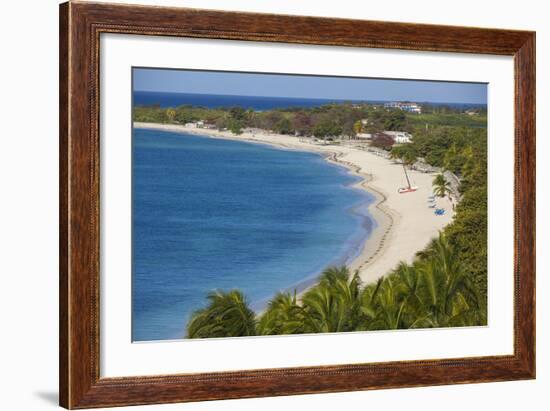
pixel 276 85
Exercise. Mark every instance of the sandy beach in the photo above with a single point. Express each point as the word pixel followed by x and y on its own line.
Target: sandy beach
pixel 405 222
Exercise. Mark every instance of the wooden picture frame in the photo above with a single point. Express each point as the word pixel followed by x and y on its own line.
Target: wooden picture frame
pixel 80 27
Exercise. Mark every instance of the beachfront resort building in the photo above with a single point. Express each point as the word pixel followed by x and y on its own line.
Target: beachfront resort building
pixel 399 137
pixel 405 106
pixel 195 124
pixel 200 124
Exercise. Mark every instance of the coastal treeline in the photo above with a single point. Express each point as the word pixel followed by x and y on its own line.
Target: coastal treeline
pixel 462 151
pixel 435 291
pixel 446 284
pixel 328 121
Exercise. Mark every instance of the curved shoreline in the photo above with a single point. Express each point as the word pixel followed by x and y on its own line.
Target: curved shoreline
pixel 372 246
pixel 375 243
pixel 397 224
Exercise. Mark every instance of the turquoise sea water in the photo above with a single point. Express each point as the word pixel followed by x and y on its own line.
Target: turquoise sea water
pixel 217 214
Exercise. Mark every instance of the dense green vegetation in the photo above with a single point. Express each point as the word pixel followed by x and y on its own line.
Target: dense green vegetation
pixel 327 121
pixel 445 286
pixel 436 291
pixel 464 152
pixel 450 119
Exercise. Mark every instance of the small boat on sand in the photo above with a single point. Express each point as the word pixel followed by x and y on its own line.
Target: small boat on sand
pixel 410 188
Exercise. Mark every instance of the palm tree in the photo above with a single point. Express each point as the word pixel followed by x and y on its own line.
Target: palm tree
pixel 357 127
pixel 395 154
pixel 369 297
pixel 334 304
pixel 282 316
pixel 434 291
pixel 442 187
pixel 171 115
pixel 390 305
pixel 227 315
pixel 407 157
pixel 446 291
pixel 415 313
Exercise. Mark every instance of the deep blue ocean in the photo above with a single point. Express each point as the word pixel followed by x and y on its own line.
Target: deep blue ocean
pixel 162 99
pixel 217 214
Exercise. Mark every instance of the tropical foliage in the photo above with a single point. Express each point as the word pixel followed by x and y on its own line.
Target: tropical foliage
pixel 326 121
pixel 447 283
pixel 463 151
pixel 434 291
pixel 227 315
pixel 441 187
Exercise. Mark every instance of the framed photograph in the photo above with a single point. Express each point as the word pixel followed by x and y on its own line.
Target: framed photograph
pixel 259 205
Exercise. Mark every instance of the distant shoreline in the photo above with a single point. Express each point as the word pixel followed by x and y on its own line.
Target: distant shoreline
pixel 402 228
pixel 288 100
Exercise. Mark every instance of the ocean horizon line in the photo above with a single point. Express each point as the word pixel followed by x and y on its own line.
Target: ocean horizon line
pixel 325 99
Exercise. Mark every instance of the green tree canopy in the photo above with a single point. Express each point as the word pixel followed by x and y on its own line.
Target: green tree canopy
pixel 227 315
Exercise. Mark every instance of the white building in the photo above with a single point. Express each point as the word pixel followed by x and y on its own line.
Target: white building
pixel 399 137
pixel 195 124
pixel 409 107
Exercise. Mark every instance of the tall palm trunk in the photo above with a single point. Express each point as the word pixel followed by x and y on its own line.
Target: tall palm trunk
pixel 406 175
